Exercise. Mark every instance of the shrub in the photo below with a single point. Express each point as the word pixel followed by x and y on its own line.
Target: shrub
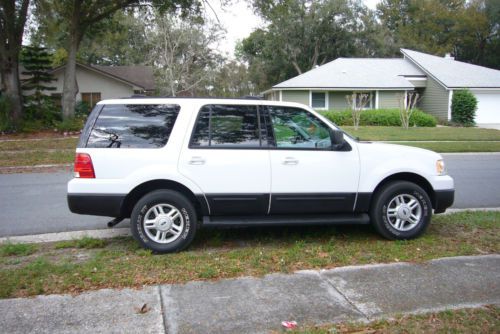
pixel 70 124
pixel 380 117
pixel 5 122
pixel 463 107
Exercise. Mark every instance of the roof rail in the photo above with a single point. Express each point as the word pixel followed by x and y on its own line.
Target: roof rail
pixel 246 97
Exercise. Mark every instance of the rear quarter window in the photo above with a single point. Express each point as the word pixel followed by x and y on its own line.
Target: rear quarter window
pixel 133 126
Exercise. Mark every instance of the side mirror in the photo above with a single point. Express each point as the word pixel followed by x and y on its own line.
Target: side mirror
pixel 337 138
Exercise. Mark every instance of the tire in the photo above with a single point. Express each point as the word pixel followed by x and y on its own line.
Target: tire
pixel 401 210
pixel 164 221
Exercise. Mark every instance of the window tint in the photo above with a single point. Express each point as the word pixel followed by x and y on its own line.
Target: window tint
pixel 318 100
pixel 227 126
pixel 298 128
pixel 133 126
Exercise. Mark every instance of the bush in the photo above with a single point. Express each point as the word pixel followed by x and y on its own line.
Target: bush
pixel 380 117
pixel 71 124
pixel 463 107
pixel 5 122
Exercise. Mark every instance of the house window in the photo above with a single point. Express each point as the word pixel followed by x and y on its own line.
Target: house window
pixel 369 103
pixel 318 100
pixel 91 98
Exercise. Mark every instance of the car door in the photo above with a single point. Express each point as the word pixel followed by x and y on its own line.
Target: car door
pixel 307 175
pixel 225 157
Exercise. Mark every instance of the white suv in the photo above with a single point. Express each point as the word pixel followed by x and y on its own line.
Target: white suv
pixel 172 165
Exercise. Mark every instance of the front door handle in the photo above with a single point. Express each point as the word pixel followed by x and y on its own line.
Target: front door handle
pixel 197 161
pixel 290 161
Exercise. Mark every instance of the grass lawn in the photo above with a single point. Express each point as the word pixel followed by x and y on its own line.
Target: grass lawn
pixel 42 157
pixel 477 321
pixel 447 147
pixel 389 133
pixel 74 266
pixel 37 152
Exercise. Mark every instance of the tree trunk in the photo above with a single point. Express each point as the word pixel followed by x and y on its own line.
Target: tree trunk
pixel 70 86
pixel 12 86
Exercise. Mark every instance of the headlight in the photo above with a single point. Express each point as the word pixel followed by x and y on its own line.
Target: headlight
pixel 440 168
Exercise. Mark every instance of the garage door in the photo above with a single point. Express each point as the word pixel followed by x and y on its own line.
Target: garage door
pixel 488 107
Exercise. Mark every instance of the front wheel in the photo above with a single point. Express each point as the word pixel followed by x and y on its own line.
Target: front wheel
pixel 163 221
pixel 401 210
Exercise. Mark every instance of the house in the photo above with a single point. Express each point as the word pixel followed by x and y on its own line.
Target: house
pixel 387 80
pixel 96 83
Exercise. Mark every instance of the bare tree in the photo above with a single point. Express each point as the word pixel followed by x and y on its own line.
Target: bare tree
pixel 407 103
pixel 357 103
pixel 182 53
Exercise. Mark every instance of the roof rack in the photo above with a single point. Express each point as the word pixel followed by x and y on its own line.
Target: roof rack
pixel 247 97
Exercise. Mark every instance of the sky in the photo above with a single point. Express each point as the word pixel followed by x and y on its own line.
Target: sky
pixel 239 21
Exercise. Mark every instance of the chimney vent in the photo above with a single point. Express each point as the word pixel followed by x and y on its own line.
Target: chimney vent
pixel 448 56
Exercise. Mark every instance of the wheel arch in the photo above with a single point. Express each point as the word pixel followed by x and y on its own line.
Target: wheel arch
pixel 142 189
pixel 410 177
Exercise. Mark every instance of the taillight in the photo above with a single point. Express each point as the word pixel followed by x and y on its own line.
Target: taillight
pixel 83 166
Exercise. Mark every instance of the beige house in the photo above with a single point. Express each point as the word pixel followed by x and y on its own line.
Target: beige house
pixel 96 83
pixel 387 80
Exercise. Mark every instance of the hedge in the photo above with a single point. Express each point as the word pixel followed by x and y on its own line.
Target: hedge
pixel 381 117
pixel 463 107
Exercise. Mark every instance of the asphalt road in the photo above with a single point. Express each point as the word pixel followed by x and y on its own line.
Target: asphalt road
pixel 36 203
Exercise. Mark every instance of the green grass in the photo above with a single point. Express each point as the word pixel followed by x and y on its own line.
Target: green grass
pixel 43 144
pixel 444 147
pixel 23 158
pixel 388 133
pixel 477 321
pixel 17 249
pixel 85 242
pixel 225 253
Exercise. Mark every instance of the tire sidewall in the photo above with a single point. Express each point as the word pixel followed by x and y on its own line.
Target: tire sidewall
pixel 386 195
pixel 164 197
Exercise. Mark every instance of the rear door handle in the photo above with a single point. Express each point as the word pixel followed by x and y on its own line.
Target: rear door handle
pixel 197 161
pixel 290 161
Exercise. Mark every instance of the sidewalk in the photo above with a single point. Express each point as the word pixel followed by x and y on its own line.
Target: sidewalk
pixel 258 305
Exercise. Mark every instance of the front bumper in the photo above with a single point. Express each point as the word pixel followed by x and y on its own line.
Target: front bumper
pixel 443 199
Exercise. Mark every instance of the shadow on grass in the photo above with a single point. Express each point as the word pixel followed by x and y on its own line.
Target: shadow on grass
pixel 279 235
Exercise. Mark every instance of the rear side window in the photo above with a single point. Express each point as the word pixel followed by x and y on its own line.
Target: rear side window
pixel 133 126
pixel 232 126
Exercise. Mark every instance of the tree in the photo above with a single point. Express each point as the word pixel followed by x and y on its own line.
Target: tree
pixel 13 15
pixel 357 103
pixel 302 34
pixel 182 53
pixel 78 17
pixel 407 103
pixel 117 40
pixel 37 63
pixel 467 29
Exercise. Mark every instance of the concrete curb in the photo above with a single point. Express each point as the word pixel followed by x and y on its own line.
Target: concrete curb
pixel 63 236
pixel 124 231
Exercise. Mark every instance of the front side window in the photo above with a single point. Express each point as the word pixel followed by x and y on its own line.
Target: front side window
pixel 231 126
pixel 133 126
pixel 298 128
pixel 318 100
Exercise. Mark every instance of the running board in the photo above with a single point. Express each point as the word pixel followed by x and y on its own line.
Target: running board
pixel 282 220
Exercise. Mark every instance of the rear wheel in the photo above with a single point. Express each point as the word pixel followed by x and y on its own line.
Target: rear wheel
pixel 401 210
pixel 164 221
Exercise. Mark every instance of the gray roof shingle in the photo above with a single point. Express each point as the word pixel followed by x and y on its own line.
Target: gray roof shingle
pixel 139 75
pixel 455 74
pixel 357 73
